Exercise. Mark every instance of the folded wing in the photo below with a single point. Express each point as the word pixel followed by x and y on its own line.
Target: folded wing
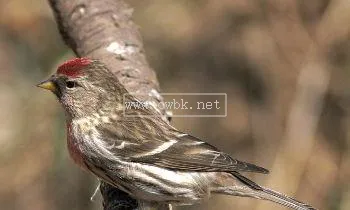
pixel 176 152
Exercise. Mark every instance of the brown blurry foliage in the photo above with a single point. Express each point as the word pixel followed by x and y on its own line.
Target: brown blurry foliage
pixel 284 65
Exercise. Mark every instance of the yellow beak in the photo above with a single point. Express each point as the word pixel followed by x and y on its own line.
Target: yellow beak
pixel 48 85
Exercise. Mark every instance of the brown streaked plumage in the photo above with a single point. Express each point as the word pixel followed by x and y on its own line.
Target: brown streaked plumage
pixel 144 155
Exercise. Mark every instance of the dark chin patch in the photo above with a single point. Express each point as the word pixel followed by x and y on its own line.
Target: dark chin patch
pixel 58 93
pixel 59 90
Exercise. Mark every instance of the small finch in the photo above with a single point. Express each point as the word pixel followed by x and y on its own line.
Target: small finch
pixel 144 155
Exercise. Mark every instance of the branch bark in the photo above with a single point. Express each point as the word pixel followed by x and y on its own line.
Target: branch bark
pixel 104 30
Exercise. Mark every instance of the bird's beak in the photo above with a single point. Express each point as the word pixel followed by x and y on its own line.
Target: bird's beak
pixel 48 85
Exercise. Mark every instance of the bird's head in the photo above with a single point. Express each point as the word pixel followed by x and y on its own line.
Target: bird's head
pixel 83 86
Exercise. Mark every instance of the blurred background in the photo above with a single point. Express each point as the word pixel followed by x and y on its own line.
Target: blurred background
pixel 285 66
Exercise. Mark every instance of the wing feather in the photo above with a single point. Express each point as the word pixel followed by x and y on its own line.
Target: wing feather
pixel 190 153
pixel 179 151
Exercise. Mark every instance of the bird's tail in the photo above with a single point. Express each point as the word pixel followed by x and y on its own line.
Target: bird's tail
pixel 284 200
pixel 247 188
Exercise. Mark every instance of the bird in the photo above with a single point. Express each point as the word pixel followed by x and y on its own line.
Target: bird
pixel 137 151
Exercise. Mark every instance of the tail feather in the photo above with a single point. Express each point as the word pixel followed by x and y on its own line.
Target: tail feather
pixel 284 200
pixel 247 188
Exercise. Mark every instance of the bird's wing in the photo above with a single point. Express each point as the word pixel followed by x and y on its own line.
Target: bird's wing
pixel 191 154
pixel 179 152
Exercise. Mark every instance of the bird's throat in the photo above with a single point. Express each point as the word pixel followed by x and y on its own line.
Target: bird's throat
pixel 74 148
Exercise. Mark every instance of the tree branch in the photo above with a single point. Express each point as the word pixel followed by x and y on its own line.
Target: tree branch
pixel 104 30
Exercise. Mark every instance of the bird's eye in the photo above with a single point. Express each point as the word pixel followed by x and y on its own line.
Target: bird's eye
pixel 70 84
